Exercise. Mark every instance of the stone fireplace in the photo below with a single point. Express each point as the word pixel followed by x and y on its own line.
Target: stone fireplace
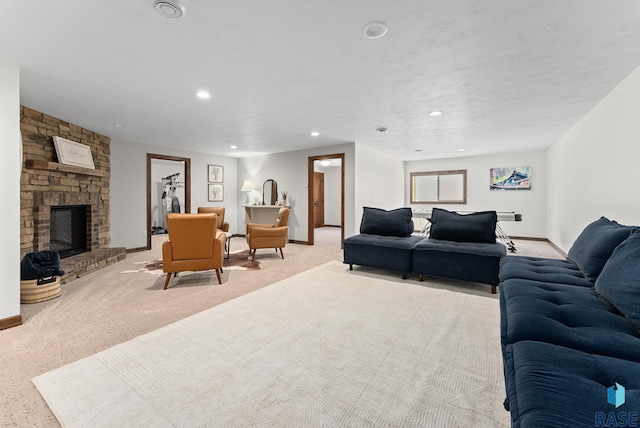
pixel 68 229
pixel 47 184
pixel 45 237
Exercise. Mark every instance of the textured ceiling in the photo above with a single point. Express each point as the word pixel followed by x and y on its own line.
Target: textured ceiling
pixel 509 75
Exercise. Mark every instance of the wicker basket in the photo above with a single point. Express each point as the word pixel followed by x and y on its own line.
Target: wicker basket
pixel 39 290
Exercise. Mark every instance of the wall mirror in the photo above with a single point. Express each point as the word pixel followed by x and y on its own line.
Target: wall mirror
pixel 269 192
pixel 439 187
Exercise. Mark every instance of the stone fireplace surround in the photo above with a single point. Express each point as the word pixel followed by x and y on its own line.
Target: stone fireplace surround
pixel 43 201
pixel 46 183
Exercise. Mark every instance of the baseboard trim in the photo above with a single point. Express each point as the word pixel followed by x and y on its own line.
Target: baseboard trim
pixel 136 250
pixel 528 238
pixel 13 321
pixel 558 249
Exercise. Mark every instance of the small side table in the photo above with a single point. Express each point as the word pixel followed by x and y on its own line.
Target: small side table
pixel 228 246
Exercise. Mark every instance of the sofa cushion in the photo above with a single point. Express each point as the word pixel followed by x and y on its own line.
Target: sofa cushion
pixel 384 252
pixel 376 221
pixel 467 261
pixel 475 227
pixel 560 271
pixel 594 245
pixel 481 249
pixel 553 386
pixel 619 281
pixel 565 315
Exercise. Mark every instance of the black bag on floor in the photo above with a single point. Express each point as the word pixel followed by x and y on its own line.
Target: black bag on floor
pixel 40 264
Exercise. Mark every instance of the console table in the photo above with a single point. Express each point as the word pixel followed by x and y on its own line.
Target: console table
pixel 261 213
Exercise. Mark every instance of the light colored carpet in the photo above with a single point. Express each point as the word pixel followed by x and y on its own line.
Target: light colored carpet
pixel 324 348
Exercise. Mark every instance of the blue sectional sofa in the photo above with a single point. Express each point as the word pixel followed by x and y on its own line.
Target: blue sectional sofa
pixel 570 332
pixel 460 246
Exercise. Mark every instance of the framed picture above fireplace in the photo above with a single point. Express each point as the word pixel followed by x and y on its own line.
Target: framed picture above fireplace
pixel 72 153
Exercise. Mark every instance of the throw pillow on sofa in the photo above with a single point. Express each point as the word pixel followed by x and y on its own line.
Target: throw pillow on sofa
pixel 619 281
pixel 477 227
pixel 594 245
pixel 376 221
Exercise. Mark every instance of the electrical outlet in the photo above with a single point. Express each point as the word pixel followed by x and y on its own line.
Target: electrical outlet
pixel 144 233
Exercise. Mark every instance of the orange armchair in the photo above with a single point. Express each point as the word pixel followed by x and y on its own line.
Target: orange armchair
pixel 269 235
pixel 194 244
pixel 222 225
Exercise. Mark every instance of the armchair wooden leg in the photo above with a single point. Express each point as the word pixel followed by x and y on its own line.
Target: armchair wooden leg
pixel 166 282
pixel 281 255
pixel 218 275
pixel 253 254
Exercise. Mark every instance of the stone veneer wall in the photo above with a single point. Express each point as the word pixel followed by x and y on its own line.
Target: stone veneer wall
pixel 42 188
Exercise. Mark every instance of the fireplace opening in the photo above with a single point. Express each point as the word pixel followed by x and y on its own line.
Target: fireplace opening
pixel 68 233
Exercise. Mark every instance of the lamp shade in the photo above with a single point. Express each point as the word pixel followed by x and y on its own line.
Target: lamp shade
pixel 247 185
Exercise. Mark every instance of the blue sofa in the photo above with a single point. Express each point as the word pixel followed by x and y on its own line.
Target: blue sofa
pixel 570 332
pixel 385 241
pixel 459 247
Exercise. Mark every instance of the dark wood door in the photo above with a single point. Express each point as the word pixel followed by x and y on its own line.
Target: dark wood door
pixel 318 199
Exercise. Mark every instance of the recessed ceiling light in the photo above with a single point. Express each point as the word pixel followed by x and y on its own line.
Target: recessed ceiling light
pixel 374 30
pixel 203 94
pixel 170 8
pixel 315 133
pixel 381 130
pixel 462 150
pixel 435 113
pixel 233 147
pixel 325 162
pixel 118 125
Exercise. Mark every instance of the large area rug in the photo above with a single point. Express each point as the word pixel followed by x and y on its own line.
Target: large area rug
pixel 326 348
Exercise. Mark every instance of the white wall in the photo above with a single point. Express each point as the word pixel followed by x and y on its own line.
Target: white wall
pixel 10 172
pixel 593 168
pixel 532 204
pixel 129 193
pixel 379 182
pixel 289 170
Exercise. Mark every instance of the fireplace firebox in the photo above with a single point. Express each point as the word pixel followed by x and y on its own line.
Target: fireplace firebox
pixel 68 233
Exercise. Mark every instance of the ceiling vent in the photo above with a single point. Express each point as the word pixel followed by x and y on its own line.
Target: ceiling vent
pixel 169 8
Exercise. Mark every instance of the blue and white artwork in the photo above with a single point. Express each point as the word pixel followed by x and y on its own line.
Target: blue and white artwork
pixel 515 178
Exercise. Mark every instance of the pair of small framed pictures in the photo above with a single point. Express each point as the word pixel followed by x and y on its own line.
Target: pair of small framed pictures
pixel 216 180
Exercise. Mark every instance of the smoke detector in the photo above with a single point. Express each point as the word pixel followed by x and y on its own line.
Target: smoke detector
pixel 374 30
pixel 170 8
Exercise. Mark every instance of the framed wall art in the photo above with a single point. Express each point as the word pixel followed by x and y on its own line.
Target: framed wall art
pixel 215 173
pixel 72 153
pixel 512 178
pixel 216 192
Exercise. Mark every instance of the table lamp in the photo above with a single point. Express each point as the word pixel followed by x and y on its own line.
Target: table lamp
pixel 248 186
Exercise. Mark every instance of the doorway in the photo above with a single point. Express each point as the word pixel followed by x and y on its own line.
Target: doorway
pixel 180 178
pixel 320 169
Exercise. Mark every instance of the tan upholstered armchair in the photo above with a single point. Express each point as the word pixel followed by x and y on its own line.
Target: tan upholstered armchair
pixel 269 235
pixel 194 244
pixel 222 225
